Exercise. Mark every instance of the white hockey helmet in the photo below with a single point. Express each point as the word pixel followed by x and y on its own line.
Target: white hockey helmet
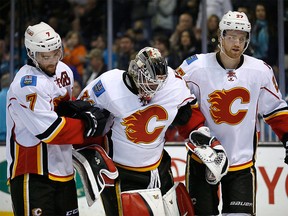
pixel 41 38
pixel 149 72
pixel 235 21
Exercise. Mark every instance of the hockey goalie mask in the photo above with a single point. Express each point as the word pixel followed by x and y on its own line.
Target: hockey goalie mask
pixel 235 21
pixel 149 72
pixel 41 38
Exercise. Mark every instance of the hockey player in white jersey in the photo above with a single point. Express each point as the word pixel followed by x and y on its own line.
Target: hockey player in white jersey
pixel 38 145
pixel 143 102
pixel 232 90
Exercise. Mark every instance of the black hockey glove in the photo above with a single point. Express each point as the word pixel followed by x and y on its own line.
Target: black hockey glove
pixel 90 123
pixel 72 109
pixel 95 121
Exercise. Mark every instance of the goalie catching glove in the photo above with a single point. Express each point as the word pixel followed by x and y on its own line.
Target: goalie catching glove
pixel 211 153
pixel 94 118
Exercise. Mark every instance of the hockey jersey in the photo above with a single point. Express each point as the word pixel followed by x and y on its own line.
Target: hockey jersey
pixel 36 136
pixel 231 101
pixel 138 131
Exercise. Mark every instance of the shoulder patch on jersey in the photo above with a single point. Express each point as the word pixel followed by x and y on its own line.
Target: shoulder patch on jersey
pixel 98 88
pixel 191 59
pixel 180 71
pixel 28 80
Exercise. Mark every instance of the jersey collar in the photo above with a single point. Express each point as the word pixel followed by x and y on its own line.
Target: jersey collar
pixel 221 64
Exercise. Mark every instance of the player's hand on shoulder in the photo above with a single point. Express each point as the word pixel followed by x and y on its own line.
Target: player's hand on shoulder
pixel 95 121
pixel 94 118
pixel 91 123
pixel 72 109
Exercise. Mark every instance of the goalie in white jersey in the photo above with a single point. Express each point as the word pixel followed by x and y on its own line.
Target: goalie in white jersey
pixel 38 144
pixel 143 102
pixel 232 90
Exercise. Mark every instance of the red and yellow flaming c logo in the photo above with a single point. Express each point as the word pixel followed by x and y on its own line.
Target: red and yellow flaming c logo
pixel 221 103
pixel 137 124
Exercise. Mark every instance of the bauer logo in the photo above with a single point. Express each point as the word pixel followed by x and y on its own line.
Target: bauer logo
pixel 98 88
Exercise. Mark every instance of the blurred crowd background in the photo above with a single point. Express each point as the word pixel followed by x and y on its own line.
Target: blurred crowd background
pixel 172 26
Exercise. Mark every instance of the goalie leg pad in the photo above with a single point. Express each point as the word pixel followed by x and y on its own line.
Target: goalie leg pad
pixel 170 202
pixel 96 170
pixel 185 204
pixel 142 202
pixel 178 202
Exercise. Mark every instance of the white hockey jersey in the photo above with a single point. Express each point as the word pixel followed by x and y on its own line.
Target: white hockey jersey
pixel 138 132
pixel 231 101
pixel 34 129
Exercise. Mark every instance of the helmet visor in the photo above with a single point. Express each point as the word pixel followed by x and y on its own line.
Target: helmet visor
pixel 52 57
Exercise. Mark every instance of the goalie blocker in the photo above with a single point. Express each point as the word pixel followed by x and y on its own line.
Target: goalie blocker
pixel 210 151
pixel 96 170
